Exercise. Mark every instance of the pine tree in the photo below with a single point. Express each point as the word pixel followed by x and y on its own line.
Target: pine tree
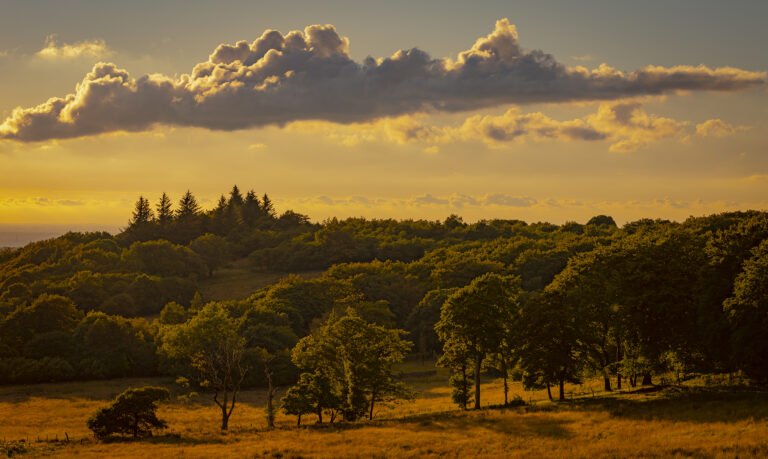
pixel 267 207
pixel 251 208
pixel 188 206
pixel 142 213
pixel 141 225
pixel 235 198
pixel 164 210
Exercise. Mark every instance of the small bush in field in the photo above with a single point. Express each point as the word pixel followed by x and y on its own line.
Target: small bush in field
pixel 132 413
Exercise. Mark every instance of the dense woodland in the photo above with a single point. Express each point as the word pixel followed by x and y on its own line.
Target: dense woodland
pixel 541 303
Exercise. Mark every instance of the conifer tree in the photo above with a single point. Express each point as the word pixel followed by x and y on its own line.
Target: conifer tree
pixel 164 210
pixel 267 207
pixel 235 197
pixel 188 206
pixel 142 213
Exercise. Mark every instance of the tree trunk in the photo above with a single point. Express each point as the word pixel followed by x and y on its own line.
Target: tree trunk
pixel 607 383
pixel 319 415
pixel 549 392
pixel 298 420
pixel 223 405
pixel 506 387
pixel 465 386
pixel 647 381
pixel 270 397
pixel 478 361
pixel 373 399
pixel 562 389
pixel 224 418
pixel 619 357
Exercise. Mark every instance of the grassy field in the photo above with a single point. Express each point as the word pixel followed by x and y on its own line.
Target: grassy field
pixel 684 421
pixel 238 280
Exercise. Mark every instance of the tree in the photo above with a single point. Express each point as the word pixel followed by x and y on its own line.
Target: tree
pixel 187 225
pixel 311 394
pixel 210 344
pixel 141 225
pixel 601 220
pixel 188 206
pixel 457 358
pixel 212 249
pixel 549 342
pixel 164 211
pixel 132 413
pixel 235 197
pixel 299 399
pixel 173 313
pixel 267 207
pixel 48 313
pixel 142 212
pixel 357 359
pixel 748 314
pixel 479 316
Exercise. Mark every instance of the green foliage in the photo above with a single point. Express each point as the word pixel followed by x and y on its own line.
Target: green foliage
pixel 478 318
pixel 748 314
pixel 173 313
pixel 111 347
pixel 212 249
pixel 48 313
pixel 132 413
pixel 210 343
pixel 163 258
pixel 349 363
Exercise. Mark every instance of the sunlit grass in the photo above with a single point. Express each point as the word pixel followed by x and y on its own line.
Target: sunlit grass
pixel 682 421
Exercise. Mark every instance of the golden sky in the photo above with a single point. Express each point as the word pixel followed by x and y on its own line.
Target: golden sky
pixel 507 116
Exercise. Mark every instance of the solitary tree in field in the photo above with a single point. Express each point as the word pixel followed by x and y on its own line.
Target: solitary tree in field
pixel 132 413
pixel 479 317
pixel 210 343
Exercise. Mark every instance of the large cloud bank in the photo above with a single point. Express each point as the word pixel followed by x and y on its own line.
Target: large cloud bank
pixel 310 76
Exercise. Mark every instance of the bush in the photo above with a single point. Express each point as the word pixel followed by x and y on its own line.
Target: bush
pixel 132 413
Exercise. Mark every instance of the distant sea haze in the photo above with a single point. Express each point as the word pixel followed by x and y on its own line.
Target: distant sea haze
pixel 19 235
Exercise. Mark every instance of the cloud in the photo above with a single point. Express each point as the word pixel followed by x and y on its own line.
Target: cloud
pixel 92 48
pixel 719 128
pixel 309 75
pixel 41 201
pixel 625 124
pixel 508 201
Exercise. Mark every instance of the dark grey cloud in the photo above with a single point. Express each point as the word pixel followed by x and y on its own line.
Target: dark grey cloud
pixel 309 75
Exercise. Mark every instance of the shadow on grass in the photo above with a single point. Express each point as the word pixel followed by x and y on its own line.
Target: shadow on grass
pixel 676 404
pixel 531 425
pixel 170 439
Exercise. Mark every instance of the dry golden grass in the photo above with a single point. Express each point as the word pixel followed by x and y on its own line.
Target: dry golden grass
pixel 678 422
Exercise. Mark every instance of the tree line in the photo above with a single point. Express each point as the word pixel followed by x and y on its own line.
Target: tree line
pixel 541 303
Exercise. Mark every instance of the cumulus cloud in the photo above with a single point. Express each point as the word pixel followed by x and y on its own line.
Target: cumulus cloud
pixel 625 124
pixel 719 128
pixel 310 75
pixel 88 48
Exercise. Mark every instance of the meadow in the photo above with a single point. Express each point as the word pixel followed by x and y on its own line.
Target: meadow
pixel 702 417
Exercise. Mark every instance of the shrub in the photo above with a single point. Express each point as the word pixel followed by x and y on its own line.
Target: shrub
pixel 132 413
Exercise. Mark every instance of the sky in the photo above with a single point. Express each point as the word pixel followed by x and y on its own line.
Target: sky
pixel 536 110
